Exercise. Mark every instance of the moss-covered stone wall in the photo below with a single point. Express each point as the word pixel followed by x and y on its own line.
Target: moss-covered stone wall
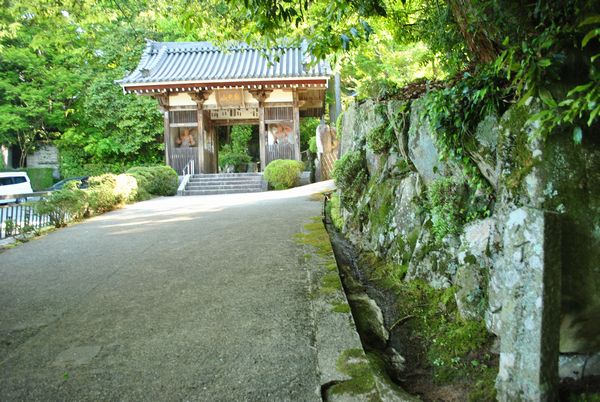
pixel 422 213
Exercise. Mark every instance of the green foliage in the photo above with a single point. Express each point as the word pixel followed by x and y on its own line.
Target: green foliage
pixel 445 198
pixel 154 180
pixel 308 128
pixel 351 177
pixel 580 107
pixel 387 274
pixel 455 349
pixel 336 212
pixel 283 173
pixel 382 138
pixel 236 153
pixel 63 206
pixel 102 194
pixel 72 167
pixel 454 113
pixel 227 157
pixel 41 178
pixel 58 63
pixel 312 144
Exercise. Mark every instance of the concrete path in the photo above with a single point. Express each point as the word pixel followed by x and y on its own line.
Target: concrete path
pixel 183 298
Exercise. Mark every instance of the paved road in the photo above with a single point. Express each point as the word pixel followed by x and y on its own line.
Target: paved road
pixel 184 298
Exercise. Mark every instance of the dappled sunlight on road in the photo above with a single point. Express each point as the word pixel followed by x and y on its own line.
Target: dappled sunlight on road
pixel 162 211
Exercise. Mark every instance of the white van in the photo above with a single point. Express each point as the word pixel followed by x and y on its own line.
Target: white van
pixel 14 183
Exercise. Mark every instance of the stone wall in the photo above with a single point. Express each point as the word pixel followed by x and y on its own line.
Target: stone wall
pixel 528 262
pixel 45 156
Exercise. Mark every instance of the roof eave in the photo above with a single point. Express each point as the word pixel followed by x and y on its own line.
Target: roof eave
pixel 234 83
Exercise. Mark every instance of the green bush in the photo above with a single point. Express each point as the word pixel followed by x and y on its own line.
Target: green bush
pixel 102 194
pixel 351 177
pixel 73 168
pixel 64 205
pixel 283 173
pixel 236 153
pixel 154 180
pixel 227 157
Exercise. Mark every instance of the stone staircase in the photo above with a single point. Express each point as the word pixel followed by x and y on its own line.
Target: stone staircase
pixel 224 183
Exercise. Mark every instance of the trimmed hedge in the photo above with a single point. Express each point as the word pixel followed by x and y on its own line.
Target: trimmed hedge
pixel 62 206
pixel 283 173
pixel 154 180
pixel 107 192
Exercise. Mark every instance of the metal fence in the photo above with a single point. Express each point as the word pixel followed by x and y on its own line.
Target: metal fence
pixel 18 219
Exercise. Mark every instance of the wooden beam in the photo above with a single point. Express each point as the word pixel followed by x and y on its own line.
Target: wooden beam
pixel 235 122
pixel 209 85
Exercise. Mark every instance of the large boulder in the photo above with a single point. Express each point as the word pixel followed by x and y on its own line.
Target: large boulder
pixel 406 219
pixel 422 150
pixel 431 262
pixel 473 263
pixel 369 320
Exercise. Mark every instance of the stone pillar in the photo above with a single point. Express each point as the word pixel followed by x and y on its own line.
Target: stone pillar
pixel 296 117
pixel 529 319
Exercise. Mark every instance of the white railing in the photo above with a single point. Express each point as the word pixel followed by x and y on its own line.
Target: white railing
pixel 188 171
pixel 18 219
pixel 189 168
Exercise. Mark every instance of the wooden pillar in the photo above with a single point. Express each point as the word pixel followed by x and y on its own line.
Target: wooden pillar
pixel 261 95
pixel 262 143
pixel 201 138
pixel 201 97
pixel 163 105
pixel 296 120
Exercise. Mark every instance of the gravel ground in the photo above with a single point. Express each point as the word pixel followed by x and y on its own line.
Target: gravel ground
pixel 182 298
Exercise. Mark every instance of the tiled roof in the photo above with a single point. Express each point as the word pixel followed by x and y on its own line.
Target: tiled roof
pixel 183 62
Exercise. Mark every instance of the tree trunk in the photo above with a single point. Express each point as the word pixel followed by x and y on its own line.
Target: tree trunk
pixel 480 45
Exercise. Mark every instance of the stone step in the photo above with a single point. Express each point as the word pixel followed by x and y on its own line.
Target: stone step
pixel 224 187
pixel 225 175
pixel 220 191
pixel 228 181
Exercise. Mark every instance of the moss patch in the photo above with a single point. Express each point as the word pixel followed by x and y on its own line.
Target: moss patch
pixel 452 348
pixel 353 363
pixel 515 142
pixel 341 307
pixel 331 283
pixel 315 236
pixel 335 212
